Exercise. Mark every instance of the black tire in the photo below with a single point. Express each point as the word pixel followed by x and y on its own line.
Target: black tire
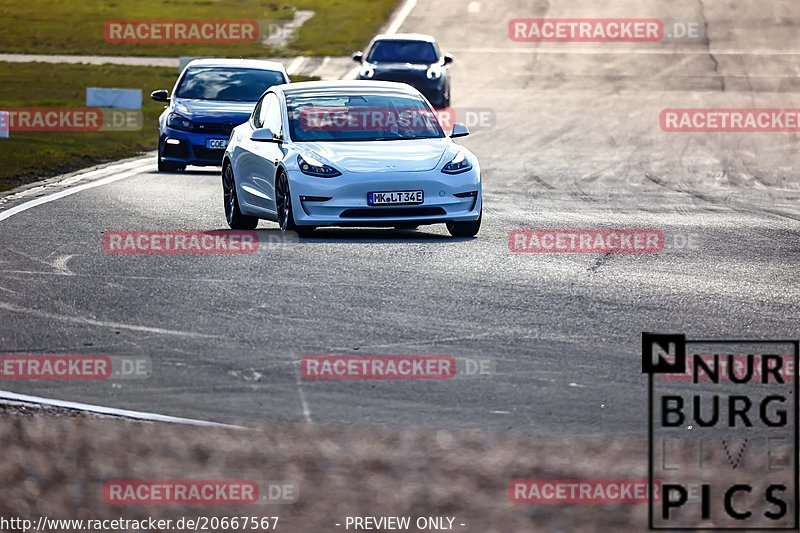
pixel 465 229
pixel 167 166
pixel 233 215
pixel 283 203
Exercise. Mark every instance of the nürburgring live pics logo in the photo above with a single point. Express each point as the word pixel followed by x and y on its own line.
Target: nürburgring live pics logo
pixel 722 432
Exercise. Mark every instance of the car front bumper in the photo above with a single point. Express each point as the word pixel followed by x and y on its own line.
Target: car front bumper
pixel 191 149
pixel 342 201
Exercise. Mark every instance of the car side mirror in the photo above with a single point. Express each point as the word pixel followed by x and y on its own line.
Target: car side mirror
pixel 358 57
pixel 162 95
pixel 448 59
pixel 265 135
pixel 459 130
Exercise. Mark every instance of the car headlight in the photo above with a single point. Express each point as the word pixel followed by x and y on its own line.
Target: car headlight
pixel 178 122
pixel 312 167
pixel 459 164
pixel 367 71
pixel 434 72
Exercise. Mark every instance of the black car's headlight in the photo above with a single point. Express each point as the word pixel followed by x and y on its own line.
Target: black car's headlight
pixel 459 164
pixel 312 167
pixel 179 122
pixel 367 71
pixel 434 72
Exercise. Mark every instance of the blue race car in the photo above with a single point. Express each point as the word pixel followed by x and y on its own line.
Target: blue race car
pixel 210 98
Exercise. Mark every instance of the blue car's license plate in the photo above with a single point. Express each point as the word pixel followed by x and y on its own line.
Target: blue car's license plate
pixel 395 198
pixel 216 144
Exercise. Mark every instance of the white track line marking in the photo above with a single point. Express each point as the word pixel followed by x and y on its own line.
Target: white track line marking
pixel 400 16
pixel 76 178
pixel 101 171
pixel 55 196
pixel 13 398
pixel 103 323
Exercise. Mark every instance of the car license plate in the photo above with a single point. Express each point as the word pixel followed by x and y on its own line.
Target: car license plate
pixel 395 198
pixel 216 144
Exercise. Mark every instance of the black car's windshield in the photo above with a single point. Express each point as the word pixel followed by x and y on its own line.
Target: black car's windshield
pixel 227 84
pixel 403 52
pixel 360 117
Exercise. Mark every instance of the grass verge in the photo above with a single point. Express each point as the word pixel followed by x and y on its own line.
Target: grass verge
pixel 46 27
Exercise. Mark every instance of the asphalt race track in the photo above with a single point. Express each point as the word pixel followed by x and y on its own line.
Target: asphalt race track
pixel 573 142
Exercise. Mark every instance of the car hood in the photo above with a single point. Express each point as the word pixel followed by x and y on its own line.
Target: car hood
pixel 214 111
pixel 416 155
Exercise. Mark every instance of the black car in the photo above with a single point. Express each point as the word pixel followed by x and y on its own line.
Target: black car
pixel 408 58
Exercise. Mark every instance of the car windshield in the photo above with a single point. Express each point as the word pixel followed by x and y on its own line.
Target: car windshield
pixel 360 117
pixel 403 52
pixel 227 84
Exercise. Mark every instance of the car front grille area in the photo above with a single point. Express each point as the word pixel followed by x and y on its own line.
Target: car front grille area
pixel 392 212
pixel 224 128
pixel 401 77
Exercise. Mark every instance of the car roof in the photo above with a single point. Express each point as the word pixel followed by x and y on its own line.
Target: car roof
pixel 346 86
pixel 404 37
pixel 257 64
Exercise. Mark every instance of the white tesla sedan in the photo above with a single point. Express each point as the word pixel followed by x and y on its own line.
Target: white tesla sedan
pixel 349 153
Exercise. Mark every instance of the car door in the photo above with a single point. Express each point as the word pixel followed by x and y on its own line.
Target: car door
pixel 259 159
pixel 243 157
pixel 270 154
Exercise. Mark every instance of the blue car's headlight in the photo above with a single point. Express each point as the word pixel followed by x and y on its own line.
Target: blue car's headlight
pixel 312 167
pixel 459 164
pixel 178 122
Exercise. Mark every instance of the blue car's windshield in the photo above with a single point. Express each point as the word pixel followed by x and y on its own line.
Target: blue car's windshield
pixel 360 117
pixel 227 84
pixel 419 52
